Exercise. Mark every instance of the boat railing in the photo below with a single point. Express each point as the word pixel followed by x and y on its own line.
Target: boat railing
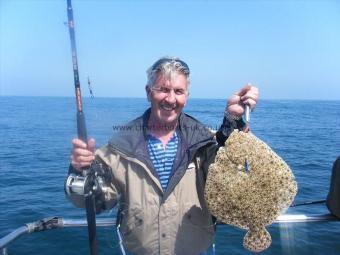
pixel 60 222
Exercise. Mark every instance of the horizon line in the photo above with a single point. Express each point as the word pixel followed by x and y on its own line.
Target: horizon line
pixel 201 98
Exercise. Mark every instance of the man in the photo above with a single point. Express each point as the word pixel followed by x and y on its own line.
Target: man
pixel 160 164
pixel 333 198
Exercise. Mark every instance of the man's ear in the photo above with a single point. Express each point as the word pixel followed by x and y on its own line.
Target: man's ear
pixel 148 91
pixel 187 98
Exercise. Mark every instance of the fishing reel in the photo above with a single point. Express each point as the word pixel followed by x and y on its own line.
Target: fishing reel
pixel 92 183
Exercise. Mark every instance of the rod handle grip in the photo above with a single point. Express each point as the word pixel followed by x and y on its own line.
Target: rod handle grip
pixel 81 127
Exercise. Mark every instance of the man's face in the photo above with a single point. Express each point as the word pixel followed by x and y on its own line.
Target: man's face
pixel 168 97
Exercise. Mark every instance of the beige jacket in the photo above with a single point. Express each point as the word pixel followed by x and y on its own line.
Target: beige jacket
pixel 176 221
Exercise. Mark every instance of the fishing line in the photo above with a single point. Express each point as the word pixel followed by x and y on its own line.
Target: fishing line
pixel 309 203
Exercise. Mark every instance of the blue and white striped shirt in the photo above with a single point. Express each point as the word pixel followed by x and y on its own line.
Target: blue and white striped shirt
pixel 163 158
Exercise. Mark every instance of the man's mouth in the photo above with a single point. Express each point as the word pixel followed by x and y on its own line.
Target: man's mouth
pixel 167 107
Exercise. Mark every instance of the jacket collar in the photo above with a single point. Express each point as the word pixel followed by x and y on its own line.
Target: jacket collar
pixel 132 142
pixel 133 136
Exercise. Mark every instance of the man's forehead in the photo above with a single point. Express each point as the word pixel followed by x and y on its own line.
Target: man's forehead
pixel 171 78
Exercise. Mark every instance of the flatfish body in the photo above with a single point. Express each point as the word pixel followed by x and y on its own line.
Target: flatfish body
pixel 249 198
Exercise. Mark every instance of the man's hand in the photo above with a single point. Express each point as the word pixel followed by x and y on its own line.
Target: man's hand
pixel 248 95
pixel 82 153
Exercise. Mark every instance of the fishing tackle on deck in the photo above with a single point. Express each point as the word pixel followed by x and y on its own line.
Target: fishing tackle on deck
pixel 90 87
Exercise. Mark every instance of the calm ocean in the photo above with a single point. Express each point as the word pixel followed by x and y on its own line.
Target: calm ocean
pixel 34 155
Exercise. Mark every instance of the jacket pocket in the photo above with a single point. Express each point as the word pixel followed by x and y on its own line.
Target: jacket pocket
pixel 131 221
pixel 196 228
pixel 198 217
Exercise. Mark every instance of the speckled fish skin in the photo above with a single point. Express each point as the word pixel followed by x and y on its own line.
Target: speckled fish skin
pixel 249 200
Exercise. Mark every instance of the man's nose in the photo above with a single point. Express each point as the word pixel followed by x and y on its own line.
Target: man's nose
pixel 171 97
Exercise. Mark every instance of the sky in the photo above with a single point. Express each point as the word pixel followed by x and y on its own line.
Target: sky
pixel 289 49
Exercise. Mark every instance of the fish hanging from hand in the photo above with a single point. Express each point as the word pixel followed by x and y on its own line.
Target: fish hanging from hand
pixel 249 186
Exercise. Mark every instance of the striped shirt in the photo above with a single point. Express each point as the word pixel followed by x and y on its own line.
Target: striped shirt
pixel 163 158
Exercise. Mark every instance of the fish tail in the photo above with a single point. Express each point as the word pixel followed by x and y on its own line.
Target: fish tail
pixel 257 240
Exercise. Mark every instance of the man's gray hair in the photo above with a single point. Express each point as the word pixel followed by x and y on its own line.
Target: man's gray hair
pixel 167 66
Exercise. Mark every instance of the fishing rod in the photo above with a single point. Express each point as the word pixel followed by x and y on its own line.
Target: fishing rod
pixel 81 125
pixel 89 182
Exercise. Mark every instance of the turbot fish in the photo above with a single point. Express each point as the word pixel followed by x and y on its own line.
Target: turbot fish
pixel 249 186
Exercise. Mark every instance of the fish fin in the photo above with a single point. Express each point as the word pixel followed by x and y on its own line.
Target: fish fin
pixel 257 240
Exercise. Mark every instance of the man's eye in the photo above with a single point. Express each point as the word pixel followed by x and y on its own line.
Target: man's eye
pixel 179 91
pixel 164 89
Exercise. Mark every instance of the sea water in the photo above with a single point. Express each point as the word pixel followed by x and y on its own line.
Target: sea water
pixel 36 135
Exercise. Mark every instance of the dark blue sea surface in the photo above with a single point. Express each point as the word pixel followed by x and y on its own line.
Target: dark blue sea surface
pixel 36 135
